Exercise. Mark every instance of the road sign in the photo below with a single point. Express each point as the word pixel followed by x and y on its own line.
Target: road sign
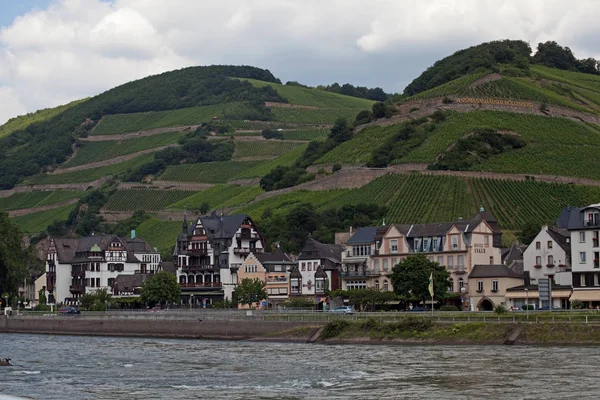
pixel 545 290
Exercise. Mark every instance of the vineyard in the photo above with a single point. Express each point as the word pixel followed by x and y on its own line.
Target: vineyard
pixel 99 151
pixel 89 175
pixel 358 149
pixel 263 148
pixel 286 201
pixel 145 199
pixel 219 196
pixel 306 134
pixel 314 97
pixel 264 168
pixel 122 123
pixel 22 200
pixel 314 116
pixel 456 87
pixel 211 172
pixel 160 234
pixel 39 221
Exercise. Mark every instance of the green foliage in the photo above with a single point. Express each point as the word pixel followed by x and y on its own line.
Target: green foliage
pixel 39 221
pixel 271 134
pixel 298 302
pixel 161 288
pixel 336 167
pixel 160 234
pixel 365 299
pixel 474 59
pixel 529 307
pixel 42 296
pixel 223 304
pixel 210 172
pixel 500 309
pixel 90 152
pixel 551 54
pixel 313 115
pixel 577 305
pixel 283 177
pixel 410 278
pixel 285 160
pixel 37 199
pixel 14 259
pixel 250 291
pixel 145 199
pixel 96 301
pixel 305 134
pixel 376 94
pixel 363 117
pixel 529 232
pixel 382 110
pixel 334 329
pixel 266 148
pixel 219 196
pixel 475 149
pixel 449 308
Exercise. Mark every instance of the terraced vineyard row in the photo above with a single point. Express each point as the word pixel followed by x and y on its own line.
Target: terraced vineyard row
pixel 314 116
pixel 37 199
pixel 89 175
pixel 160 234
pixel 456 87
pixel 39 221
pixel 98 151
pixel 306 134
pixel 263 148
pixel 219 196
pixel 122 123
pixel 286 201
pixel 264 168
pixel 212 172
pixel 145 199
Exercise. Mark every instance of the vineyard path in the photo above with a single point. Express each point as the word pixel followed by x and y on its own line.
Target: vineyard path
pixel 138 134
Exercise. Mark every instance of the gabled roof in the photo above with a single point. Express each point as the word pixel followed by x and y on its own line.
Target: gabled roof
pixel 364 235
pixel 322 250
pixel 560 236
pixel 139 245
pixel 220 227
pixel 512 254
pixel 493 271
pixel 75 250
pixel 126 283
pixel 275 257
pixel 484 215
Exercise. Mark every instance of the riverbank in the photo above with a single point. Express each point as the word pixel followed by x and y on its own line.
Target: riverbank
pixel 409 330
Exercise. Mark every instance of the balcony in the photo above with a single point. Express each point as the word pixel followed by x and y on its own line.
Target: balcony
pixel 356 274
pixel 201 285
pixel 143 271
pixel 592 222
pixel 247 250
pixel 459 269
pixel 79 288
pixel 197 252
pixel 198 267
pixel 275 279
pixel 246 235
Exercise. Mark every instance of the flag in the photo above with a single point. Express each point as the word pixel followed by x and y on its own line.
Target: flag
pixel 431 284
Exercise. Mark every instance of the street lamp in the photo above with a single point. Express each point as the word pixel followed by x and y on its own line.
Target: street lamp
pixel 191 301
pixel 527 302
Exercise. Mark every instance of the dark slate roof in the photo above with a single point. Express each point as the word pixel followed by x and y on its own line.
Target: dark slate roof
pixel 560 236
pixel 512 254
pixel 221 227
pixel 139 245
pixel 493 271
pixel 277 256
pixel 324 251
pixel 484 215
pixel 68 249
pixel 168 266
pixel 563 219
pixel 403 228
pixel 517 267
pixel 65 248
pixel 436 229
pixel 126 283
pixel 577 217
pixel 364 235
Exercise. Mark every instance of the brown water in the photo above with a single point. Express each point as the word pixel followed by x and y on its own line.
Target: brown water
pixel 67 367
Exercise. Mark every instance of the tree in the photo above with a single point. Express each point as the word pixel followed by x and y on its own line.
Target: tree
pixel 204 208
pixel 96 301
pixel 13 257
pixel 42 296
pixel 250 291
pixel 410 278
pixel 161 288
pixel 365 299
pixel 529 232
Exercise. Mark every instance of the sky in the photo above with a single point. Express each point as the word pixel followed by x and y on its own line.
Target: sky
pixel 56 51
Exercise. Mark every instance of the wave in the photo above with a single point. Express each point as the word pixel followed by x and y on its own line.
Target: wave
pixel 26 372
pixel 11 397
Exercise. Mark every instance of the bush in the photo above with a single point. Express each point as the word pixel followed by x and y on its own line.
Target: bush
pixel 528 307
pixel 447 100
pixel 577 305
pixel 449 308
pixel 334 328
pixel 500 309
pixel 336 167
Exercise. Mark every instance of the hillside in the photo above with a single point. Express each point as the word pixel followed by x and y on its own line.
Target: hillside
pixel 505 131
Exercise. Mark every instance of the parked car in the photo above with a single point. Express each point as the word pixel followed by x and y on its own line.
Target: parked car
pixel 419 308
pixel 68 310
pixel 155 309
pixel 343 309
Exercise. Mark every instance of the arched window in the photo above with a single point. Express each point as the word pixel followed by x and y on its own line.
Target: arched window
pixel 182 279
pixel 191 279
pixel 461 283
pixel 451 285
pixel 385 286
pixel 376 285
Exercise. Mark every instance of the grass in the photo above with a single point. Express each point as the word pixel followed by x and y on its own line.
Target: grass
pixel 306 134
pixel 219 196
pixel 314 97
pixel 313 116
pixel 39 221
pixel 89 175
pixel 37 199
pixel 284 202
pixel 211 172
pixel 99 151
pixel 285 160
pixel 160 234
pixel 145 199
pixel 122 123
pixel 263 148
pixel 23 121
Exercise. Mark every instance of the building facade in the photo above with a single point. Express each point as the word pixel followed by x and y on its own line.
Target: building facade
pixel 317 269
pixel 75 267
pixel 549 256
pixel 488 285
pixel 209 253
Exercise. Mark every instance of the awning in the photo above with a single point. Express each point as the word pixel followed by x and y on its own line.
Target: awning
pixel 534 294
pixel 586 295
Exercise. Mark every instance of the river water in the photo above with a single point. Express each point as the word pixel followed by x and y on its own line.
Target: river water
pixel 68 367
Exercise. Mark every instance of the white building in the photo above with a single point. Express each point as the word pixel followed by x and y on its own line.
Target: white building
pixel 209 253
pixel 549 256
pixel 75 267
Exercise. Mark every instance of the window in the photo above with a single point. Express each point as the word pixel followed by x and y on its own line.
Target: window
pixel 303 266
pixel 494 285
pixel 549 244
pixel 461 261
pixel 451 285
pixel 385 286
pixel 309 266
pixel 538 260
pixel 385 264
pixel 582 280
pixel 394 246
pixel 538 245
pixel 435 244
pixel 550 260
pixel 596 282
pixel 582 257
pixel 480 286
pixel 394 262
pixel 426 244
pixel 97 282
pixel 376 285
pixel 295 285
pixel 418 244
pixel 486 240
pixel 440 260
pixel 450 262
pixel 454 242
pixel 461 283
pixel 581 237
pixel 376 265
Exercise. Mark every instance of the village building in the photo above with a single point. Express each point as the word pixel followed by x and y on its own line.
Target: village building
pixel 209 253
pixel 75 267
pixel 549 256
pixel 488 285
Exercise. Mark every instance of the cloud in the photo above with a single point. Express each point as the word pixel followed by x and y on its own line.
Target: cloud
pixel 11 105
pixel 78 48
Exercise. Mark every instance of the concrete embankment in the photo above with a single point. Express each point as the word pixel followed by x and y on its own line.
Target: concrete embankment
pixel 161 327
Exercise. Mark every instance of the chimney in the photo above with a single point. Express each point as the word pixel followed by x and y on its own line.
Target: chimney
pixel 350 228
pixel 133 233
pixel 460 218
